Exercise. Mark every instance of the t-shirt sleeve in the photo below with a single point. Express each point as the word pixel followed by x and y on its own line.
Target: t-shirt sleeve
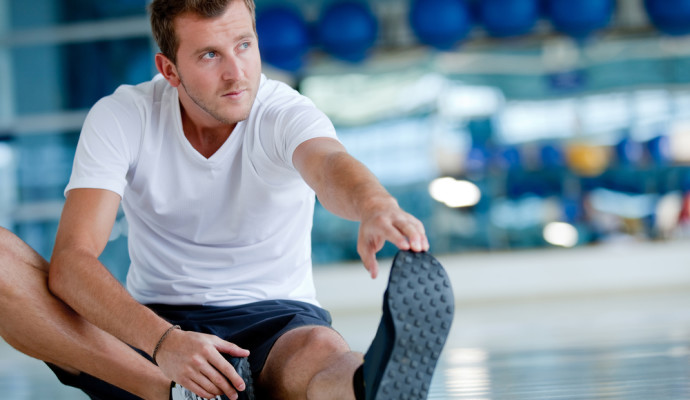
pixel 306 122
pixel 104 154
pixel 291 125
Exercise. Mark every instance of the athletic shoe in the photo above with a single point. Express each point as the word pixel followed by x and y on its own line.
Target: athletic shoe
pixel 241 365
pixel 179 392
pixel 418 308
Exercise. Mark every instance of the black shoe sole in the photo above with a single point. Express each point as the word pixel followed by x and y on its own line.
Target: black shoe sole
pixel 420 306
pixel 241 365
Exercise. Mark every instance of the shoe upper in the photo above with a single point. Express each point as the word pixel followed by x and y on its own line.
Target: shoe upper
pixel 179 392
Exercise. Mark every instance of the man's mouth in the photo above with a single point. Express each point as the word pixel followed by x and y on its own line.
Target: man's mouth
pixel 234 94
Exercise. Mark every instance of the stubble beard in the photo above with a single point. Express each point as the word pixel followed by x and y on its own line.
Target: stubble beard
pixel 210 110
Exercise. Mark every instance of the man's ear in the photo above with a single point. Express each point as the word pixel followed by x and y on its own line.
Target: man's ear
pixel 167 69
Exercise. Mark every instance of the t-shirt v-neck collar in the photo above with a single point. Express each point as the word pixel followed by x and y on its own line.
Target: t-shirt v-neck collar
pixel 222 151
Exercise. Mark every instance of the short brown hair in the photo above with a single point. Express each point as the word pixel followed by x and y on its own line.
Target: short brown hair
pixel 164 12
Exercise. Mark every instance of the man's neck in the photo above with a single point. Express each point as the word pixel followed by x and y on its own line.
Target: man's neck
pixel 205 139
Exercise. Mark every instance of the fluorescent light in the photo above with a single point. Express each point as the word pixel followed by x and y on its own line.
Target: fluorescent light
pixel 455 193
pixel 561 234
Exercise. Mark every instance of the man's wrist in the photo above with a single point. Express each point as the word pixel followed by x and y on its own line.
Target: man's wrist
pixel 164 336
pixel 374 204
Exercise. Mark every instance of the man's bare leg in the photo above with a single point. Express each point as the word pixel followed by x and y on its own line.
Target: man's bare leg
pixel 312 362
pixel 316 363
pixel 38 324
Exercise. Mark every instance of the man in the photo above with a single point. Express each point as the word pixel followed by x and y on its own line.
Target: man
pixel 216 168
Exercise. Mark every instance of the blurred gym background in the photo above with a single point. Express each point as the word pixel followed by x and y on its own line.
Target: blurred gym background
pixel 545 144
pixel 502 124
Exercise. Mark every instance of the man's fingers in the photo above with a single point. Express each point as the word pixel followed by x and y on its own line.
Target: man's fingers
pixel 197 389
pixel 229 348
pixel 197 364
pixel 397 227
pixel 371 242
pixel 231 379
pixel 367 250
pixel 394 234
pixel 219 383
pixel 224 366
pixel 372 266
pixel 413 230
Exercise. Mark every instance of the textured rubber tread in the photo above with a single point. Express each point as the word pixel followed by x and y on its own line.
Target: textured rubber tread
pixel 418 312
pixel 241 365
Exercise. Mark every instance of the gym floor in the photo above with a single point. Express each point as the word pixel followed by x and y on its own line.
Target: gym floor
pixel 593 323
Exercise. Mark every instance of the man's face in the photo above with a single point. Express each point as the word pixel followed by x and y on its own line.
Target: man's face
pixel 218 65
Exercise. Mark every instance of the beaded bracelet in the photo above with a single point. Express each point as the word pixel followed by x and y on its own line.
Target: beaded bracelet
pixel 160 341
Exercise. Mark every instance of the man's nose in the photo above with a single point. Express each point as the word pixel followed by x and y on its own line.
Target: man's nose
pixel 232 69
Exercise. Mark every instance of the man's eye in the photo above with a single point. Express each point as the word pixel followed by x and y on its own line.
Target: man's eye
pixel 244 45
pixel 210 55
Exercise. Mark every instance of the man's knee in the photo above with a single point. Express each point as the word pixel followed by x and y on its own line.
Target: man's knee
pixel 10 247
pixel 319 345
pixel 14 251
pixel 7 258
pixel 325 341
pixel 21 268
pixel 6 238
pixel 314 343
pixel 298 356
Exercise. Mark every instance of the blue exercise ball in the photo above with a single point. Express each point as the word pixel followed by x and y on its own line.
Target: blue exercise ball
pixel 510 158
pixel 580 18
pixel 659 148
pixel 283 37
pixel 572 209
pixel 543 8
pixel 685 183
pixel 440 23
pixel 629 151
pixel 505 18
pixel 551 156
pixel 477 159
pixel 670 16
pixel 348 30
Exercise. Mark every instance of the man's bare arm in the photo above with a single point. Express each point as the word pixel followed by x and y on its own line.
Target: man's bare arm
pixel 348 189
pixel 78 278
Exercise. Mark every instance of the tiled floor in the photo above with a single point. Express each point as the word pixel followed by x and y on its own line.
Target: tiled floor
pixel 625 346
pixel 632 346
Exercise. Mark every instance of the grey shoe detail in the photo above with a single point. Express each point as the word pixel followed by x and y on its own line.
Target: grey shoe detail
pixel 417 314
pixel 241 365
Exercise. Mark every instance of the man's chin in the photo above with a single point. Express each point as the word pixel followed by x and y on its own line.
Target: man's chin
pixel 233 118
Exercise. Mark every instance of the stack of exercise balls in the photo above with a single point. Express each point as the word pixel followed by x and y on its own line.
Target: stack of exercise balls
pixel 441 24
pixel 283 37
pixel 507 18
pixel 349 29
pixel 580 18
pixel 671 17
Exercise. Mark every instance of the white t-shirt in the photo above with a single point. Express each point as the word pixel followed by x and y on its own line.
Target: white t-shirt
pixel 228 230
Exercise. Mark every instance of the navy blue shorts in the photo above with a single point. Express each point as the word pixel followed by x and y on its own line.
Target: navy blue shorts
pixel 255 327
